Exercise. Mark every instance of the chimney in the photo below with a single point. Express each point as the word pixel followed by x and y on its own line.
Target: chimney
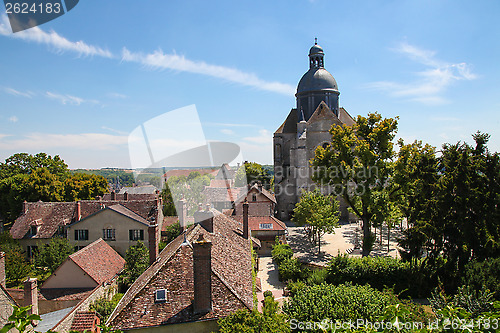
pixel 2 269
pixel 125 196
pixel 153 241
pixel 78 211
pixel 31 295
pixel 202 272
pixel 182 214
pixel 205 218
pixel 245 219
pixel 25 203
pixel 259 185
pixel 113 195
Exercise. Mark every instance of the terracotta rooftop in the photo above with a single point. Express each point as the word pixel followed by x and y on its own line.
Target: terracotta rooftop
pixel 49 216
pixel 173 271
pixel 85 321
pixel 222 194
pixel 255 222
pixel 99 261
pixel 255 188
pixel 49 294
pixel 186 172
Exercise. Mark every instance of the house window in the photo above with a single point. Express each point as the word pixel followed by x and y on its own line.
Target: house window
pixel 136 234
pixel 160 295
pixel 266 226
pixel 254 197
pixel 33 230
pixel 61 231
pixel 32 250
pixel 81 234
pixel 79 247
pixel 108 234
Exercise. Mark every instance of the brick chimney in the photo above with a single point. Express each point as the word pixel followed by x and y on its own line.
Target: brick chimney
pixel 125 196
pixel 113 195
pixel 205 218
pixel 245 219
pixel 78 211
pixel 31 295
pixel 202 272
pixel 153 241
pixel 259 185
pixel 25 203
pixel 182 214
pixel 2 269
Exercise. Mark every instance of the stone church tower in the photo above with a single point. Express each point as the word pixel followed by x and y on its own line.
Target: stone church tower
pixel 306 128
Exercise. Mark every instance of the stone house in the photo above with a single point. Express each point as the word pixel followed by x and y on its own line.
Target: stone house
pixel 201 276
pixel 261 202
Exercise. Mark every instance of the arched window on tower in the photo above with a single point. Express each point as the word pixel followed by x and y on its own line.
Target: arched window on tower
pixel 277 152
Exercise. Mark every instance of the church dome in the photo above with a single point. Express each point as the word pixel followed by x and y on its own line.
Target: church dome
pixel 316 49
pixel 316 79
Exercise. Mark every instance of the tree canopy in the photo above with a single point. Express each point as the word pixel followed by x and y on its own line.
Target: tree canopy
pixel 357 165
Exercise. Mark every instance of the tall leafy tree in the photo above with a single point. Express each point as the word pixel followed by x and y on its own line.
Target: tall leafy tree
pixel 359 161
pixel 136 262
pixel 80 186
pixel 53 254
pixel 319 211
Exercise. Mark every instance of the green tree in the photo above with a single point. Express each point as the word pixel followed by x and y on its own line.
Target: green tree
pixel 413 191
pixel 168 202
pixel 23 163
pixel 20 320
pixel 319 211
pixel 250 173
pixel 136 262
pixel 53 254
pixel 81 186
pixel 17 268
pixel 359 161
pixel 244 321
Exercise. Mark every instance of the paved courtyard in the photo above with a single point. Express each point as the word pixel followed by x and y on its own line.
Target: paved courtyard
pixel 346 238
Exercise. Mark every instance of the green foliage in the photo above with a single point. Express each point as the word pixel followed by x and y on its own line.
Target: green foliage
pixel 270 320
pixel 483 275
pixel 342 302
pixel 172 232
pixel 318 211
pixel 358 160
pixel 250 173
pixel 136 262
pixel 317 276
pixel 378 272
pixel 124 176
pixel 25 177
pixel 291 269
pixel 17 268
pixel 20 320
pixel 475 302
pixel 53 254
pixel 281 252
pixel 168 202
pixel 190 188
pixel 105 306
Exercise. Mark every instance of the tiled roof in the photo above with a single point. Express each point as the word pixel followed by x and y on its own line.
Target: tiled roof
pixel 254 222
pixel 130 196
pixel 99 261
pixel 255 187
pixel 127 212
pixel 49 216
pixel 173 271
pixel 221 194
pixel 84 321
pixel 220 183
pixel 56 294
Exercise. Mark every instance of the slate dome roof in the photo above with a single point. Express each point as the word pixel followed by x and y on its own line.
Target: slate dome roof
pixel 315 49
pixel 317 79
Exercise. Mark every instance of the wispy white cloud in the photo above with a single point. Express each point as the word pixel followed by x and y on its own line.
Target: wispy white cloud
pixel 69 99
pixel 13 119
pixel 14 92
pixel 117 95
pixel 227 131
pixel 173 61
pixel 44 141
pixel 114 130
pixel 264 137
pixel 430 83
pixel 53 39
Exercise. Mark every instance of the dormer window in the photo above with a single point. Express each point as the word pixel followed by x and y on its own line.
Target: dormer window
pixel 254 197
pixel 160 295
pixel 33 230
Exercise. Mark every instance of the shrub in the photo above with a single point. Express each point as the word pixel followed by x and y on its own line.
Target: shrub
pixel 104 307
pixel 281 252
pixel 295 286
pixel 317 276
pixel 483 275
pixel 475 302
pixel 290 269
pixel 378 272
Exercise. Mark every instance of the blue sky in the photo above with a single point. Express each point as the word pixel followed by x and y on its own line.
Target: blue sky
pixel 78 85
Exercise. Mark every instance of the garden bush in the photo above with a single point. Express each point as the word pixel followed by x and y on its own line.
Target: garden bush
pixel 291 269
pixel 281 252
pixel 483 275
